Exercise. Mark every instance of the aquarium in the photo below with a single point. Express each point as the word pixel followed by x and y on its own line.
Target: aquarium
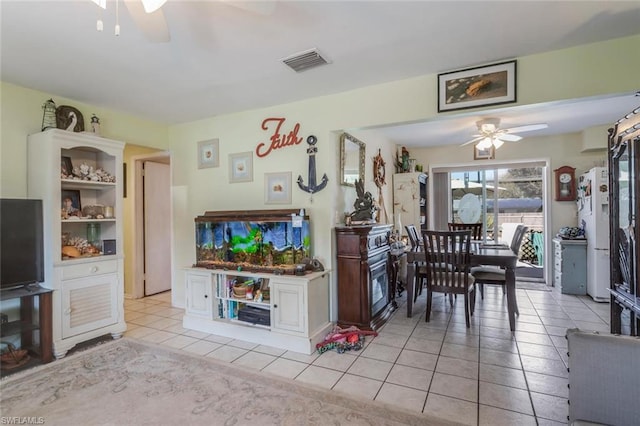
pixel 262 240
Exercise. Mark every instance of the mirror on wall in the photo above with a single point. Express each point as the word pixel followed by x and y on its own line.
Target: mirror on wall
pixel 352 157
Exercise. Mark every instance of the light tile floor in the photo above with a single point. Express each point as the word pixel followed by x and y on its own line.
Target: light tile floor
pixel 484 375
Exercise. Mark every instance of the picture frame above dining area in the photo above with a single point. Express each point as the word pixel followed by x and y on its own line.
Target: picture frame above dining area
pixel 478 86
pixel 484 153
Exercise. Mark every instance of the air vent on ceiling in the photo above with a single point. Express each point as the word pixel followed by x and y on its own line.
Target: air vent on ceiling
pixel 303 61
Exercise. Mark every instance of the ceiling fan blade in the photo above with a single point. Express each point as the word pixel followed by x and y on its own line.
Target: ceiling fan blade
pixel 474 140
pixel 151 6
pixel 152 25
pixel 509 138
pixel 260 7
pixel 526 128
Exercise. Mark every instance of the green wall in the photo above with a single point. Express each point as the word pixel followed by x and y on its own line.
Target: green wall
pixel 590 70
pixel 21 115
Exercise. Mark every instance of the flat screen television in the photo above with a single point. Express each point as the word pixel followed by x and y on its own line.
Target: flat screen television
pixel 21 249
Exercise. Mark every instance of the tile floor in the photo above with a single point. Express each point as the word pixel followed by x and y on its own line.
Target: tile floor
pixel 484 375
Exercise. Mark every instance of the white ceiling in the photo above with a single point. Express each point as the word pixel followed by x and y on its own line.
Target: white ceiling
pixel 223 59
pixel 561 117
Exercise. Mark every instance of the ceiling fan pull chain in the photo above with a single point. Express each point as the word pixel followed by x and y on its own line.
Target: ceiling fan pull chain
pixel 99 23
pixel 117 29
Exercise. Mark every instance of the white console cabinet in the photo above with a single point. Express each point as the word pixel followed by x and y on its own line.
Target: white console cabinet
pixel 88 284
pixel 292 314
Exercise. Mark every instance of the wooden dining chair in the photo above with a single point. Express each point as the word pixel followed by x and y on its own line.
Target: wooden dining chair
pixel 475 228
pixel 485 274
pixel 447 267
pixel 414 235
pixel 421 272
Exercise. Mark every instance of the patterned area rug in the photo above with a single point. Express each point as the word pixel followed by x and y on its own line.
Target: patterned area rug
pixel 128 382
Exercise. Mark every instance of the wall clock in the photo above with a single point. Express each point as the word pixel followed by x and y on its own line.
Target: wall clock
pixel 565 183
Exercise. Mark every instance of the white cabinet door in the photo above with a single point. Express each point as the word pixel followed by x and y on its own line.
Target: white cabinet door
pixel 199 297
pixel 288 307
pixel 89 303
pixel 406 200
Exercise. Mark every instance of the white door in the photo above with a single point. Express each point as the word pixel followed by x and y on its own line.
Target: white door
pixel 157 228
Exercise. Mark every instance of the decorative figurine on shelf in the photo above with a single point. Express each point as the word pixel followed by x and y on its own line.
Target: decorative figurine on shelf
pixel 364 206
pixel 405 160
pixel 402 161
pixel 95 124
pixel 49 115
pixel 69 118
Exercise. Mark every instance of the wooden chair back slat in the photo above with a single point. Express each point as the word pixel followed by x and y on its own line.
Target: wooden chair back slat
pixel 475 228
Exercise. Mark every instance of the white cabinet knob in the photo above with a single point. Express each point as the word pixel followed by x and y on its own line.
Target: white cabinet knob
pixel 94 269
pixel 67 311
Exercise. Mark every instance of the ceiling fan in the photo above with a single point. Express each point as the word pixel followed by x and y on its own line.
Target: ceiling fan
pixel 150 20
pixel 490 133
pixel 147 14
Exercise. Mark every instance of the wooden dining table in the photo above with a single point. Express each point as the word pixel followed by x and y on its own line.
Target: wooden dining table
pixel 480 254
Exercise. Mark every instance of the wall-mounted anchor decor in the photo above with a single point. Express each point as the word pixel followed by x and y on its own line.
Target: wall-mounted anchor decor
pixel 313 187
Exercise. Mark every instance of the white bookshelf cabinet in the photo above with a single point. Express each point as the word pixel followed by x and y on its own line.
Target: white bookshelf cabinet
pixel 88 294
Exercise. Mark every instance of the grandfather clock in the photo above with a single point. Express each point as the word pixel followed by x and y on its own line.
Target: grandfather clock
pixel 565 183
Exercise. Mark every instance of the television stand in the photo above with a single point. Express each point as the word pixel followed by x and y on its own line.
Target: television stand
pixel 25 325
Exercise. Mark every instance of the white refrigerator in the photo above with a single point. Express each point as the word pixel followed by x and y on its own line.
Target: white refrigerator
pixel 593 215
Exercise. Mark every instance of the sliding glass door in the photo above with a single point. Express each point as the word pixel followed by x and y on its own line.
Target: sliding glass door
pixel 500 197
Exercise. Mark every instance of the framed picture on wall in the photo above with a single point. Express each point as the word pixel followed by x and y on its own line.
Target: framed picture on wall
pixel 208 153
pixel 277 188
pixel 479 86
pixel 241 167
pixel 484 154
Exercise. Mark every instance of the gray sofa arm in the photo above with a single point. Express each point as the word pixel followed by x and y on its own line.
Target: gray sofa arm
pixel 604 378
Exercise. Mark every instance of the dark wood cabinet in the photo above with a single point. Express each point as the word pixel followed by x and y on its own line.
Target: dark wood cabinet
pixel 624 208
pixel 27 324
pixel 365 297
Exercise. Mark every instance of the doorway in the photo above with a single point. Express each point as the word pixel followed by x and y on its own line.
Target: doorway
pixel 500 196
pixel 152 268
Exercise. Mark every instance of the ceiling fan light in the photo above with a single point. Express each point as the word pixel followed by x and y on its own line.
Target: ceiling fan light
pixel 497 143
pixel 484 144
pixel 101 3
pixel 151 6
